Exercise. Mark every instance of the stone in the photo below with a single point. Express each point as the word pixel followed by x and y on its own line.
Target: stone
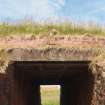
pixel 98 82
pixel 103 74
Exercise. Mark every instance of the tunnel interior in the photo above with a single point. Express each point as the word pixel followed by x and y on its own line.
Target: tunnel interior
pixel 74 77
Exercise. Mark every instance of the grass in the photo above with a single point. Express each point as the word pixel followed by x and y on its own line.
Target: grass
pixel 65 28
pixel 50 95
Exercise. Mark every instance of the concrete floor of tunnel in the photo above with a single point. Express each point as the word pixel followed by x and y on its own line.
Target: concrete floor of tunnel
pixel 74 77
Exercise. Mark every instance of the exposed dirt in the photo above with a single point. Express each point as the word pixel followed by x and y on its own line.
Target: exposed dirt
pixel 62 41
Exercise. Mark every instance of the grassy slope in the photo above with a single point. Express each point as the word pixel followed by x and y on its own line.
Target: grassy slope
pixel 50 96
pixel 61 28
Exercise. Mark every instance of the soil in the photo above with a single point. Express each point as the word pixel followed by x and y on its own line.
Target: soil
pixel 61 41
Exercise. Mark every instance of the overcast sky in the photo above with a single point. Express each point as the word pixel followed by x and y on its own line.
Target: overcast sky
pixel 76 10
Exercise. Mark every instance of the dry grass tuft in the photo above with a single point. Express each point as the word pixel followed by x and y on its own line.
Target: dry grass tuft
pixel 98 60
pixel 4 59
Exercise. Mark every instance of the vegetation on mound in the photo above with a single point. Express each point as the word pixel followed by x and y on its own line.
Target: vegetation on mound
pixel 65 28
pixel 99 60
pixel 50 95
pixel 4 60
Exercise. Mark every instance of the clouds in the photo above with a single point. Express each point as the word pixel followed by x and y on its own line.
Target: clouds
pixel 80 10
pixel 62 2
pixel 57 4
pixel 38 9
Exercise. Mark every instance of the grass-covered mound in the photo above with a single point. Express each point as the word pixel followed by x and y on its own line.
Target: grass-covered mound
pixel 66 28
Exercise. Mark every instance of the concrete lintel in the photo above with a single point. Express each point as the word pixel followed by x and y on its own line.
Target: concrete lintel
pixel 51 54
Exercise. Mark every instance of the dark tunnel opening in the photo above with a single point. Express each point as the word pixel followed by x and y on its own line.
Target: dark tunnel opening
pixel 75 79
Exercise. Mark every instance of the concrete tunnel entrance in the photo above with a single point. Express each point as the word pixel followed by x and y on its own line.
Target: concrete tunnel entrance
pixel 74 77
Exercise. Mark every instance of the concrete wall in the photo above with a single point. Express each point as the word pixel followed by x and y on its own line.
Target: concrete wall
pixel 18 87
pixel 3 89
pixel 78 90
pixel 21 89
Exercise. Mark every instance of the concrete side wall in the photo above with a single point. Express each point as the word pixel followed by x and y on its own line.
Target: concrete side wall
pixel 20 90
pixel 78 90
pixel 3 89
pixel 52 54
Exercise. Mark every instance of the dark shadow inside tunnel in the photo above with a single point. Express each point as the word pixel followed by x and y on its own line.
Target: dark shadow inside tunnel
pixel 74 77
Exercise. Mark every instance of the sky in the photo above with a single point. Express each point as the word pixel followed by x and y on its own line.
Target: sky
pixel 39 10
